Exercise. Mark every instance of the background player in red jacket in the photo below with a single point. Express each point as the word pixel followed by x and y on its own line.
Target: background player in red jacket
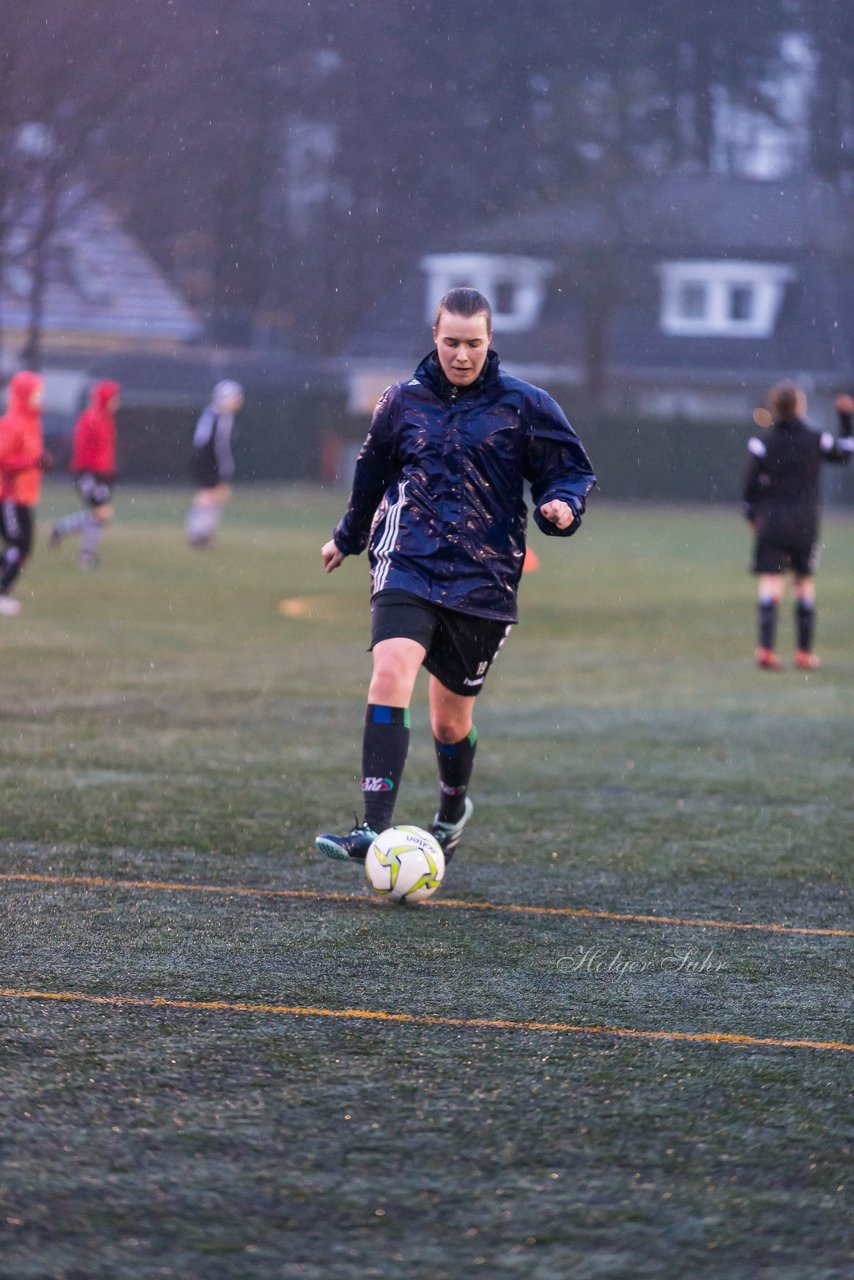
pixel 22 457
pixel 93 461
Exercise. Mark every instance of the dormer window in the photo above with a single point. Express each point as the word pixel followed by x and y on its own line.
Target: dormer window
pixel 723 298
pixel 515 286
pixel 693 300
pixel 504 297
pixel 742 299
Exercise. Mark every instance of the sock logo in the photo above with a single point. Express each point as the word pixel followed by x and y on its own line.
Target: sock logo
pixel 377 784
pixel 451 791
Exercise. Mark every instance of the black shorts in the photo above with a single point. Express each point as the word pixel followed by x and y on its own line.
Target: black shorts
pixel 17 526
pixel 95 490
pixel 205 468
pixel 460 647
pixel 771 556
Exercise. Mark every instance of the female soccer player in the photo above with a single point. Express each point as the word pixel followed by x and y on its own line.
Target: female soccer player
pixel 22 457
pixel 93 462
pixel 781 502
pixel 213 462
pixel 438 499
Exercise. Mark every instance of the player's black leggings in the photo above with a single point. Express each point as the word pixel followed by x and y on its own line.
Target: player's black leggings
pixel 17 526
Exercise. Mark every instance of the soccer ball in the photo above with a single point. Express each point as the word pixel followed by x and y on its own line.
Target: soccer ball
pixel 405 864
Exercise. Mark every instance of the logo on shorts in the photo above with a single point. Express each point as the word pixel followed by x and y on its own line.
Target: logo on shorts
pixel 377 784
pixel 480 673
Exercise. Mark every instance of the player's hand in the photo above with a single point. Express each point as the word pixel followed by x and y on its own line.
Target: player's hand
pixel 331 556
pixel 844 403
pixel 558 513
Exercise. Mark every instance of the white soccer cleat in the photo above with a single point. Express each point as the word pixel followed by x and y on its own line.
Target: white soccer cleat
pixel 9 606
pixel 448 833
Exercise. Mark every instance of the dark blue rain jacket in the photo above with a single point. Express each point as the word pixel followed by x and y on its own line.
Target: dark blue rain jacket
pixel 438 490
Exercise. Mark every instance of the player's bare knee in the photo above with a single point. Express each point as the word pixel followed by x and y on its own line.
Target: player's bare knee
pixel 389 669
pixel 449 729
pixel 772 587
pixel 392 679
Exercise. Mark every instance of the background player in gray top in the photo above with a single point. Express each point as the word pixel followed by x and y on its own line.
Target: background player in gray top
pixel 213 462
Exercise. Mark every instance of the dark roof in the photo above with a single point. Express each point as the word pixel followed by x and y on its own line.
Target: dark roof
pixel 395 327
pixel 803 223
pixel 806 337
pixel 726 216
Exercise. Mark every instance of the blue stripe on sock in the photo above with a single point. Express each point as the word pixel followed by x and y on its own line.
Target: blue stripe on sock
pixel 377 714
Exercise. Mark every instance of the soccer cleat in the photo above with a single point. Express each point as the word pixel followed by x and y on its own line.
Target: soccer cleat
pixel 806 661
pixel 349 848
pixel 10 606
pixel 448 833
pixel 768 660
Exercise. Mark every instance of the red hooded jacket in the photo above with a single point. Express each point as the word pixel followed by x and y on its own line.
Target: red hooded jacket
pixel 94 441
pixel 21 444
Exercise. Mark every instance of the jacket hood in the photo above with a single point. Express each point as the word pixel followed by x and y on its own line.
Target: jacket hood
pixel 21 389
pixel 102 393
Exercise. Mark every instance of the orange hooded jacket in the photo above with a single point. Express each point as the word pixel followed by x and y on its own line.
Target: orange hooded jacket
pixel 94 447
pixel 21 444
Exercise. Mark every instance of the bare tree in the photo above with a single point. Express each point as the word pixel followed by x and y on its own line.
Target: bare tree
pixel 66 76
pixel 423 124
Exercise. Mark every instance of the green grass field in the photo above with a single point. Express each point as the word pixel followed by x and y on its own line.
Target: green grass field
pixel 221 1059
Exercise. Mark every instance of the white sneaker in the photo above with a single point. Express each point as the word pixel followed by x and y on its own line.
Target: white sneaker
pixel 10 606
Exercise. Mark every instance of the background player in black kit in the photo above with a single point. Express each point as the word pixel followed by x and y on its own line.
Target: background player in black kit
pixel 782 494
pixel 213 462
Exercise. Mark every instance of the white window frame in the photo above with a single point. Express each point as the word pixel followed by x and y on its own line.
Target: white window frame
pixel 486 272
pixel 767 280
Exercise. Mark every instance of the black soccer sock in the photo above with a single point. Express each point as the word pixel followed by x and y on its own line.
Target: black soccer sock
pixel 767 623
pixel 805 624
pixel 384 748
pixel 456 761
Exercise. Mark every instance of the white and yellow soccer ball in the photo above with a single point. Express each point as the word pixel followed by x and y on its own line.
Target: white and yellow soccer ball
pixel 405 864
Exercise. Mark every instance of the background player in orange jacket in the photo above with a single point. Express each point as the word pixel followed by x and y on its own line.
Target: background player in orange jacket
pixel 22 457
pixel 93 461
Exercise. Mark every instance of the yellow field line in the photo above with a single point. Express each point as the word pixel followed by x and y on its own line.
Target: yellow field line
pixel 422 1020
pixel 584 913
